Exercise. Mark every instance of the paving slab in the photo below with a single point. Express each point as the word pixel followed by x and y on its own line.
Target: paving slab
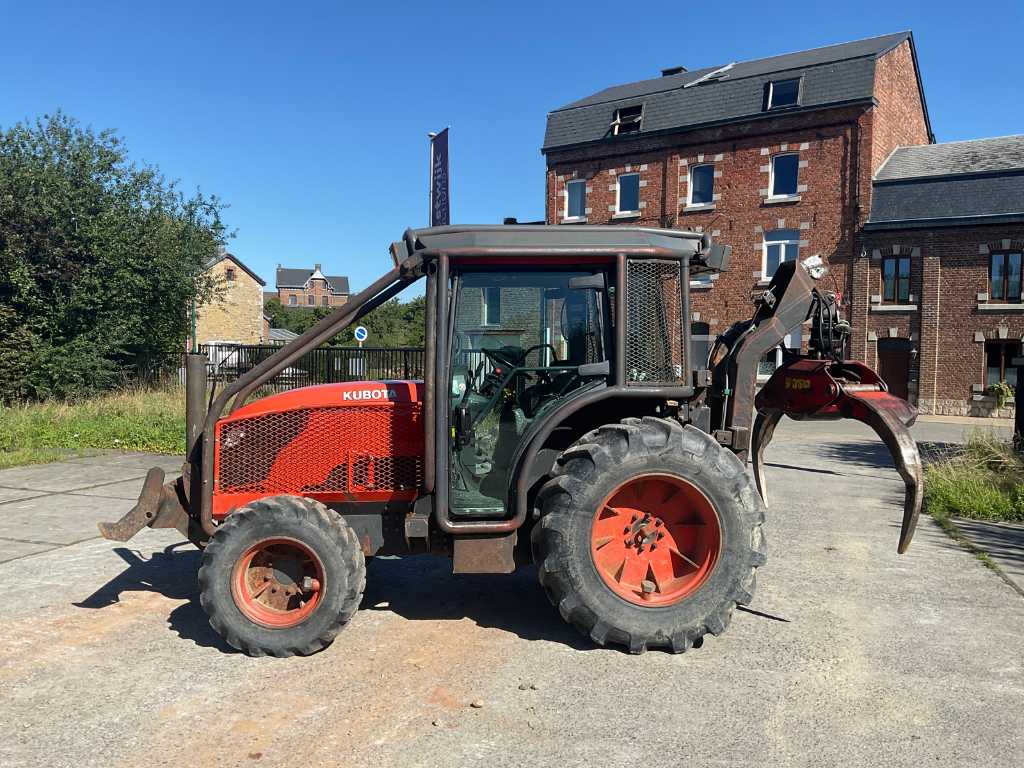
pixel 15 494
pixel 58 518
pixel 67 475
pixel 126 489
pixel 13 549
pixel 1003 542
pixel 137 459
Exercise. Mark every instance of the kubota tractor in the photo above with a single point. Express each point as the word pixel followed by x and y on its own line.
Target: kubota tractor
pixel 563 416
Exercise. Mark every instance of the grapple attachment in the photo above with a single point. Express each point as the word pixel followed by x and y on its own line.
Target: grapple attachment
pixel 805 388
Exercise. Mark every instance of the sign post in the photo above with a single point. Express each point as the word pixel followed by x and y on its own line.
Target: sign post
pixel 440 187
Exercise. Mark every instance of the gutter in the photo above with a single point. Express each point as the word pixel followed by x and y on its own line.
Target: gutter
pixel 947 221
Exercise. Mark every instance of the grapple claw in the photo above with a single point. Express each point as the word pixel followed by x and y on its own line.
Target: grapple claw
pixel 891 417
pixel 806 388
pixel 764 429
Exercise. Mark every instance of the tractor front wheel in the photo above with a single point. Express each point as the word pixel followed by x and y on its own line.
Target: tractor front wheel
pixel 281 576
pixel 650 535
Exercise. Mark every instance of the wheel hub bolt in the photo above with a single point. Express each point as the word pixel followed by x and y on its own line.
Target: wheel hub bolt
pixel 648 586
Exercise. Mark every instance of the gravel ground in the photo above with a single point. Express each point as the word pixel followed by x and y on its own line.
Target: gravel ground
pixel 850 654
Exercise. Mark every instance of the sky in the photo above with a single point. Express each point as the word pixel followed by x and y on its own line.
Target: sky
pixel 310 119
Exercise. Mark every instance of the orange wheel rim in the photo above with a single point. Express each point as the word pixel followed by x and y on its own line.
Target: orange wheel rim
pixel 278 583
pixel 655 540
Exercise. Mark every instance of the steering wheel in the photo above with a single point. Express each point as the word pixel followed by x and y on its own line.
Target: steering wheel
pixel 503 356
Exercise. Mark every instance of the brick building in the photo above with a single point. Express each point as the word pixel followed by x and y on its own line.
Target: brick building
pixel 776 157
pixel 310 288
pixel 235 315
pixel 937 284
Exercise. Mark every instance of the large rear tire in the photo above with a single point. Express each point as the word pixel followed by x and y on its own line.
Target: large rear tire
pixel 650 535
pixel 282 576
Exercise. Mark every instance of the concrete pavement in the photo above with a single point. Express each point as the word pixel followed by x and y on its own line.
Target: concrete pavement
pixel 850 654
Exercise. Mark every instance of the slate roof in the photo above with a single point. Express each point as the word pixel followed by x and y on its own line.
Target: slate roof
pixel 225 255
pixel 977 156
pixel 296 278
pixel 831 76
pixel 954 184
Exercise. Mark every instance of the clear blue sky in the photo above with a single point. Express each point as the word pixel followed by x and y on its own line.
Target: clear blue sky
pixel 310 118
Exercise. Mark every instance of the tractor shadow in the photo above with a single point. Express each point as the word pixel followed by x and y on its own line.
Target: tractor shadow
pixel 423 588
pixel 876 456
pixel 419 588
pixel 171 573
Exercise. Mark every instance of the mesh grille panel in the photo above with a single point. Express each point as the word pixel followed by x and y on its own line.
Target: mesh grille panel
pixel 654 337
pixel 328 450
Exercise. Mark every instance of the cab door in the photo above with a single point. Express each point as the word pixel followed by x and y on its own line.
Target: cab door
pixel 517 341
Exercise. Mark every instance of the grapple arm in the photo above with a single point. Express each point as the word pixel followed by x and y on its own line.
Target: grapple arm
pixel 818 385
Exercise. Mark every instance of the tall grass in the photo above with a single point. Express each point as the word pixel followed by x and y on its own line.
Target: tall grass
pixel 982 479
pixel 132 420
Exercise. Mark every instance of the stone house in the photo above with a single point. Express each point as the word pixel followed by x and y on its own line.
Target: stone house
pixel 235 315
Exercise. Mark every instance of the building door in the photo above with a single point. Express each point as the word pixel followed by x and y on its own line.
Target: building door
pixel 894 364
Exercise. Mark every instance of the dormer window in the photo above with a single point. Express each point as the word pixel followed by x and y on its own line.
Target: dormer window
pixel 783 93
pixel 627 120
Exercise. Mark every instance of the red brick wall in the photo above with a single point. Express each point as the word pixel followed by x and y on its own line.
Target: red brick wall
pixel 317 289
pixel 899 116
pixel 824 215
pixel 949 268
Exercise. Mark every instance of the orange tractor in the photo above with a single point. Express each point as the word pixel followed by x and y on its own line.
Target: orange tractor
pixel 563 418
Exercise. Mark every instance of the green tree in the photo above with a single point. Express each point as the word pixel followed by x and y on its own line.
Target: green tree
pixel 100 259
pixel 393 324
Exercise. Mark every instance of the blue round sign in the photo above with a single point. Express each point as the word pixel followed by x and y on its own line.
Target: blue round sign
pixel 360 333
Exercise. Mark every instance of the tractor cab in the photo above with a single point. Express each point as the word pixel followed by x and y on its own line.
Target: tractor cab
pixel 522 340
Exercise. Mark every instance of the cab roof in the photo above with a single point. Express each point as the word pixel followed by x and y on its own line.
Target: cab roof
pixel 531 239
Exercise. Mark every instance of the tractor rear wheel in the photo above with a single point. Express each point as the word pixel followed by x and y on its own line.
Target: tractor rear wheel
pixel 281 576
pixel 650 535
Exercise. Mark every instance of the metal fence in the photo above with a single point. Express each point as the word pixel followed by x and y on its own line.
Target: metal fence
pixel 324 365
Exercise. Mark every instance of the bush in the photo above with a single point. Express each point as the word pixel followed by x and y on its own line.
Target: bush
pixel 99 261
pixel 983 479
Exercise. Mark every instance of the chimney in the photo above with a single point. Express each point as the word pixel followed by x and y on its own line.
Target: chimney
pixel 669 71
pixel 316 267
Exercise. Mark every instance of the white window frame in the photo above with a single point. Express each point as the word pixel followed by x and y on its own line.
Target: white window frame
pixel 293 300
pixel 484 321
pixel 565 210
pixel 771 92
pixel 637 120
pixel 618 193
pixel 771 177
pixel 689 191
pixel 765 242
